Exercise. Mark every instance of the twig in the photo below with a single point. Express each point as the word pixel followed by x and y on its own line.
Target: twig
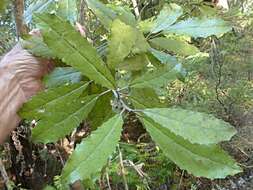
pixel 137 169
pixel 3 172
pixel 82 20
pixel 136 10
pixel 142 9
pixel 181 180
pixel 108 181
pixel 122 169
pixel 59 154
pixel 215 60
pixel 125 107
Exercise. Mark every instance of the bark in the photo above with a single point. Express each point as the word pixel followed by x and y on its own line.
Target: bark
pixel 18 6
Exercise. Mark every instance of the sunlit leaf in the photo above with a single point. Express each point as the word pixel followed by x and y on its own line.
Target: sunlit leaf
pixel 168 16
pixel 200 160
pixel 121 42
pixel 134 63
pixel 196 127
pixel 200 27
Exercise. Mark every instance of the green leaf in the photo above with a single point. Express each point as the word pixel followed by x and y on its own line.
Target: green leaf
pixel 200 27
pixel 124 14
pixel 101 111
pixel 196 127
pixel 145 26
pixel 68 45
pixel 45 101
pixel 122 40
pixel 62 119
pixel 40 6
pixel 200 160
pixel 145 98
pixel 3 5
pixel 155 79
pixel 49 188
pixel 177 46
pixel 168 16
pixel 164 57
pixel 141 44
pixel 134 63
pixel 67 9
pixel 62 75
pixel 91 155
pixel 36 46
pixel 108 13
pixel 104 13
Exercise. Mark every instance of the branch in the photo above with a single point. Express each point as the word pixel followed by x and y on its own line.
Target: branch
pixel 123 172
pixel 136 10
pixel 4 173
pixel 21 28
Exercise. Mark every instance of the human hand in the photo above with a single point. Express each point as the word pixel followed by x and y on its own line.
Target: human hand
pixel 20 78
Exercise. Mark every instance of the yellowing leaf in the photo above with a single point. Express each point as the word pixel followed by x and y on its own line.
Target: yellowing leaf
pixel 134 63
pixel 122 40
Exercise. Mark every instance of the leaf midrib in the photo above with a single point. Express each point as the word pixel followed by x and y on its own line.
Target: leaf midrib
pixel 57 98
pixel 176 26
pixel 94 68
pixel 99 145
pixel 182 121
pixel 192 152
pixel 58 123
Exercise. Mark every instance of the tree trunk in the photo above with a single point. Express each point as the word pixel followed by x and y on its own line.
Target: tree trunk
pixel 18 6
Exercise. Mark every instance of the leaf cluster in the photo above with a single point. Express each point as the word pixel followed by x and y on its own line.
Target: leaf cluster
pixel 151 59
